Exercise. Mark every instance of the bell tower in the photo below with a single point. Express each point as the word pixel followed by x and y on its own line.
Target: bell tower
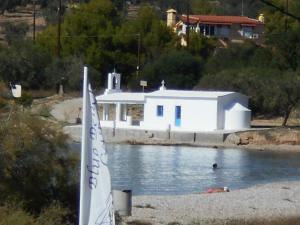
pixel 113 83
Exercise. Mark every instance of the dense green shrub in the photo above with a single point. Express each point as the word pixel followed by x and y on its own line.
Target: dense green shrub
pixel 36 166
pixel 55 214
pixel 15 32
pixel 24 63
pixel 3 93
pixel 25 100
pixel 11 214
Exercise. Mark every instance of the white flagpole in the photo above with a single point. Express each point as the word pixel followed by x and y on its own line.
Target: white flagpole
pixel 83 205
pixel 95 185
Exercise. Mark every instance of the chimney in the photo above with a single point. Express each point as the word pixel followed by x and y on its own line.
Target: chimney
pixel 171 17
pixel 261 18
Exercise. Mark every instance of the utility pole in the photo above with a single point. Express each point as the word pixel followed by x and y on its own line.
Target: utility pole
pixel 242 7
pixel 58 47
pixel 138 59
pixel 188 24
pixel 34 17
pixel 286 17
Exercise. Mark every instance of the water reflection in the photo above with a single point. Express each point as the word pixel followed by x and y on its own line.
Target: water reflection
pixel 179 169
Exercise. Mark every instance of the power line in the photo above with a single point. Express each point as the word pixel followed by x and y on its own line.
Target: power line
pixel 283 11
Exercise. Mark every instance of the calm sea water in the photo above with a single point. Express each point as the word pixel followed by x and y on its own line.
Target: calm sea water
pixel 170 170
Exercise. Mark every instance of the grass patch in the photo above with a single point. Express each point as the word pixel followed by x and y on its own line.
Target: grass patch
pixel 38 94
pixel 44 111
pixel 41 93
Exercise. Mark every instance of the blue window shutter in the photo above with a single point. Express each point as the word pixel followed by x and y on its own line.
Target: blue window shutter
pixel 160 110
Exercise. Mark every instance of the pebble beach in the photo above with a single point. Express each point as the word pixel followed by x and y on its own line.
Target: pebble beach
pixel 273 203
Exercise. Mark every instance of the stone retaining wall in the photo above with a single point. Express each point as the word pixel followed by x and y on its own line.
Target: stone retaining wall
pixel 138 136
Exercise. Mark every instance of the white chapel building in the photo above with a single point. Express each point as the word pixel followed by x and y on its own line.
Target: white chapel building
pixel 175 110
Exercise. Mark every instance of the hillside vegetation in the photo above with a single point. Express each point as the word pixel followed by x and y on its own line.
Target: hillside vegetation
pixel 99 34
pixel 38 175
pixel 38 172
pixel 22 19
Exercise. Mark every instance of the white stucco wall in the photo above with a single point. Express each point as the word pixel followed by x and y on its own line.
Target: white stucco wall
pixel 196 114
pixel 200 110
pixel 237 117
pixel 224 102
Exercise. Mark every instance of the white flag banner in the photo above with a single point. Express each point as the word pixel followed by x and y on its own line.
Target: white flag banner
pixel 95 185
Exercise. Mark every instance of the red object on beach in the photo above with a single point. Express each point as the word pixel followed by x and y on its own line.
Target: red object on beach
pixel 209 190
pixel 217 190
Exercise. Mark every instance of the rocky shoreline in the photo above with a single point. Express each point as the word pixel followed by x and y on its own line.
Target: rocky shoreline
pixel 238 140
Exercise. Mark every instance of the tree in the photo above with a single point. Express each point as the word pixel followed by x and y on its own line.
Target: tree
pixel 249 8
pixel 15 32
pixel 50 9
pixel 248 81
pixel 24 63
pixel 204 7
pixel 93 33
pixel 8 5
pixel 142 40
pixel 47 40
pixel 179 5
pixel 239 56
pixel 179 69
pixel 201 45
pixel 120 4
pixel 286 49
pixel 87 33
pixel 271 91
pixel 69 71
pixel 287 94
pixel 276 21
pixel 282 34
pixel 12 4
pixel 154 33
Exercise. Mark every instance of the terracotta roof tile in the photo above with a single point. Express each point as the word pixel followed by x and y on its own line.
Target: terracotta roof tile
pixel 226 20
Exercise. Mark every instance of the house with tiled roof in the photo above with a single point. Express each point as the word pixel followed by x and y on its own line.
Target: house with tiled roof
pixel 226 28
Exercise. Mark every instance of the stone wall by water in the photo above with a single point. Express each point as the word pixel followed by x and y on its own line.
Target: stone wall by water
pixel 138 136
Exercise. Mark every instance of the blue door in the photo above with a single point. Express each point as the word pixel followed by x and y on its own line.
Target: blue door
pixel 178 116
